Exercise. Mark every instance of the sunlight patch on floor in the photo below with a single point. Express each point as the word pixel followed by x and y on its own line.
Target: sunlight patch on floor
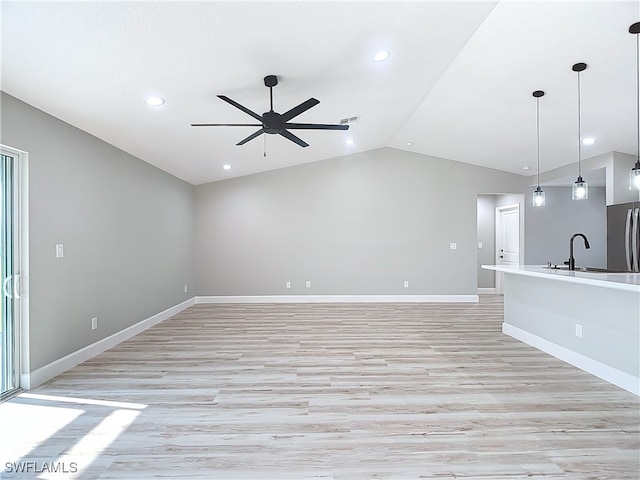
pixel 94 444
pixel 53 426
pixel 30 426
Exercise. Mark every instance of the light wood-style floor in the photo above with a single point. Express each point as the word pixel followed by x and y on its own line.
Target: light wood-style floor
pixel 326 391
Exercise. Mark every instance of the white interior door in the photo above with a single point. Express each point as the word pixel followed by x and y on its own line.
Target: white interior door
pixel 507 239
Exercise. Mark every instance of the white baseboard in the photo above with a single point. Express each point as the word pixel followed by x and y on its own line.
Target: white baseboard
pixel 622 379
pixel 63 364
pixel 487 291
pixel 338 299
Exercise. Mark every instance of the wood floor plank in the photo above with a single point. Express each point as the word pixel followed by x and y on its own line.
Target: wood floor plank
pixel 326 391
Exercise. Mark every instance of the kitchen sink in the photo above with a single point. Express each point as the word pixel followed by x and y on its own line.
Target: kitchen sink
pixel 603 270
pixel 588 269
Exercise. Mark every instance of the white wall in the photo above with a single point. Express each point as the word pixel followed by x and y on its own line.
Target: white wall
pixel 487 236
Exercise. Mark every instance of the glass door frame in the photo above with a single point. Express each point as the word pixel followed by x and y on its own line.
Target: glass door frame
pixel 20 266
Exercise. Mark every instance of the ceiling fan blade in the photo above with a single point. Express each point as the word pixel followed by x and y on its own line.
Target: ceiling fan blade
pixel 293 138
pixel 315 126
pixel 303 107
pixel 251 137
pixel 237 105
pixel 226 124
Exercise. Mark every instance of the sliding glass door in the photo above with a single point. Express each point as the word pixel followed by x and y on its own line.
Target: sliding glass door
pixel 9 275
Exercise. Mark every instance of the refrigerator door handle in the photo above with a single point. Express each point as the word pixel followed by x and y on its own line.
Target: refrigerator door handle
pixel 634 241
pixel 627 246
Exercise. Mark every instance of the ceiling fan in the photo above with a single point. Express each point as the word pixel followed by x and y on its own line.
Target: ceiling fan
pixel 274 122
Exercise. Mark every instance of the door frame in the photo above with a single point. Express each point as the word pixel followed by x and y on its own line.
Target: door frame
pixel 498 225
pixel 21 212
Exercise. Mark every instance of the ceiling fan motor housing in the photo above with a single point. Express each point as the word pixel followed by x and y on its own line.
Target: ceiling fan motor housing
pixel 273 122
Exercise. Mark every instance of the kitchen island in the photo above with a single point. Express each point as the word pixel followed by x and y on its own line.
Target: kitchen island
pixel 590 320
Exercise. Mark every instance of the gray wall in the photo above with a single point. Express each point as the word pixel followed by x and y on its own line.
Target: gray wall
pixel 622 164
pixel 486 235
pixel 548 229
pixel 360 224
pixel 127 230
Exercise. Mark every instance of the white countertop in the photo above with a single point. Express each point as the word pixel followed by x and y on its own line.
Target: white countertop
pixel 618 281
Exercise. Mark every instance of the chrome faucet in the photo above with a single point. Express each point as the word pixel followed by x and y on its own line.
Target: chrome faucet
pixel 572 261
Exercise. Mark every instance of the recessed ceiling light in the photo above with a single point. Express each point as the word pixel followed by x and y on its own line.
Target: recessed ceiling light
pixel 349 141
pixel 408 144
pixel 526 168
pixel 154 101
pixel 226 166
pixel 588 141
pixel 381 55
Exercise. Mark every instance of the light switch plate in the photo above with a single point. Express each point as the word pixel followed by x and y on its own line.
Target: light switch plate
pixel 59 250
pixel 453 246
pixel 479 244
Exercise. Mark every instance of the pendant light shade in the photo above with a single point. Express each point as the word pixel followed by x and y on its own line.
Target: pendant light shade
pixel 538 195
pixel 580 189
pixel 634 174
pixel 634 177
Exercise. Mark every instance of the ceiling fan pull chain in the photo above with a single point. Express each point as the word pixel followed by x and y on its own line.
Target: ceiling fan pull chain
pixel 265 146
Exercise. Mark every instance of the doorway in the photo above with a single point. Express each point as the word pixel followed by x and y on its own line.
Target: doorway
pixel 488 205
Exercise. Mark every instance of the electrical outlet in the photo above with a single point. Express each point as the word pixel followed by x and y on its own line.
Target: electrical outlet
pixel 453 246
pixel 288 284
pixel 308 284
pixel 59 250
pixel 578 330
pixel 185 288
pixel 479 244
pixel 406 284
pixel 94 323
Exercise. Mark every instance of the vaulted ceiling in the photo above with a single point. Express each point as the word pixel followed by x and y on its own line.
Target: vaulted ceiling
pixel 457 85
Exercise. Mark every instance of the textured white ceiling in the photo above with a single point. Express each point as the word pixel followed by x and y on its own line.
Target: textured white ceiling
pixel 458 83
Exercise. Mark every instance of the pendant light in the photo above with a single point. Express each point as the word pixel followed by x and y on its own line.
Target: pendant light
pixel 634 174
pixel 538 195
pixel 580 189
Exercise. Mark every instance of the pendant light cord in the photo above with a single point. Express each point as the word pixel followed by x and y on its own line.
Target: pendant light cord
pixel 638 92
pixel 579 139
pixel 538 132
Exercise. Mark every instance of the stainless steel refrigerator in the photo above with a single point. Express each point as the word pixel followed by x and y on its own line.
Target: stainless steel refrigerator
pixel 623 237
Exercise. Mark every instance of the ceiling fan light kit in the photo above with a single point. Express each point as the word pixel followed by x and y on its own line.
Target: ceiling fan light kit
pixel 272 122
